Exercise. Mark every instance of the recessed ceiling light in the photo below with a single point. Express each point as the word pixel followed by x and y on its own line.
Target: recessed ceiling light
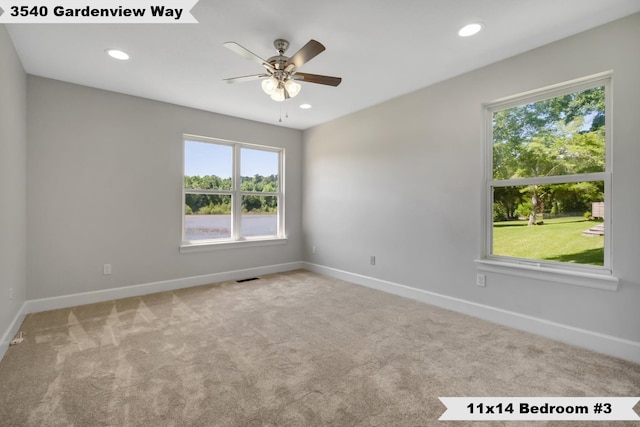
pixel 117 54
pixel 470 29
pixel 305 106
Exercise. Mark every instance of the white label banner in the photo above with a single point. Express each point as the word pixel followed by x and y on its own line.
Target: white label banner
pixel 97 12
pixel 540 408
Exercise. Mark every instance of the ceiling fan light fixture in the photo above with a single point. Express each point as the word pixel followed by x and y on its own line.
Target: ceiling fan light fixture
pixel 278 94
pixel 292 87
pixel 270 85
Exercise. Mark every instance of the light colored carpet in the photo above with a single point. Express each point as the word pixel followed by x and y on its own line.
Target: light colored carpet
pixel 293 349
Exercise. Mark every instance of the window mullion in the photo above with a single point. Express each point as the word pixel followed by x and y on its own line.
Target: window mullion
pixel 280 198
pixel 236 198
pixel 556 179
pixel 259 193
pixel 213 192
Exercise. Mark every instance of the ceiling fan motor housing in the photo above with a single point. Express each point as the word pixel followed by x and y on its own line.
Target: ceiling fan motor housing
pixel 279 61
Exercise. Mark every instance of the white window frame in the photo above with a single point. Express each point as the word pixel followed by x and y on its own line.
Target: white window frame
pixel 600 277
pixel 236 239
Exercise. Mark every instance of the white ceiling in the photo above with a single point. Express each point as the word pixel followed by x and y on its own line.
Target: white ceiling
pixel 380 48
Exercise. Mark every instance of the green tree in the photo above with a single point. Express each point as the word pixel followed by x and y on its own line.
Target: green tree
pixel 209 204
pixel 557 136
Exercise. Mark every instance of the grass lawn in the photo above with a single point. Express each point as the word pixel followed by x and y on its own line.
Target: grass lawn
pixel 559 239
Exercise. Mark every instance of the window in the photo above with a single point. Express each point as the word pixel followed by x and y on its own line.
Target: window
pixel 547 173
pixel 232 192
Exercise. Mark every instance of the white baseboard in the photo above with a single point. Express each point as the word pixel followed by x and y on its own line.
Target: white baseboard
pixel 606 344
pixel 64 301
pixel 12 330
pixel 601 343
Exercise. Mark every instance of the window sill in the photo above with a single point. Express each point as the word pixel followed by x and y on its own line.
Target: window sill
pixel 601 281
pixel 188 247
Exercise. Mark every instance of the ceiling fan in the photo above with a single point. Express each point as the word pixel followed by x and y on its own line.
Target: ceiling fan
pixel 281 72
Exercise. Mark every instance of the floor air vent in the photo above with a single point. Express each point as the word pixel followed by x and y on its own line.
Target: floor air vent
pixel 247 280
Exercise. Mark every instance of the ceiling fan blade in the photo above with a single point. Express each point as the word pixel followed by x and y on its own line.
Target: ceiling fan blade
pixel 316 78
pixel 235 47
pixel 246 78
pixel 305 54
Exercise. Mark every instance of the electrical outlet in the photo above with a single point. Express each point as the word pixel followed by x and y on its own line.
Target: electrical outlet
pixel 106 269
pixel 372 260
pixel 480 280
pixel 313 249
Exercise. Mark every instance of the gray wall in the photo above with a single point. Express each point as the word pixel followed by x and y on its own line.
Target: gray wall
pixel 105 176
pixel 402 181
pixel 13 147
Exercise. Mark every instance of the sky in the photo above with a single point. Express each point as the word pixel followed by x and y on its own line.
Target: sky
pixel 203 158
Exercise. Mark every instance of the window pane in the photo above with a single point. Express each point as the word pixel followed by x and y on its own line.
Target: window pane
pixel 259 216
pixel 258 170
pixel 207 217
pixel 207 166
pixel 557 136
pixel 555 222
